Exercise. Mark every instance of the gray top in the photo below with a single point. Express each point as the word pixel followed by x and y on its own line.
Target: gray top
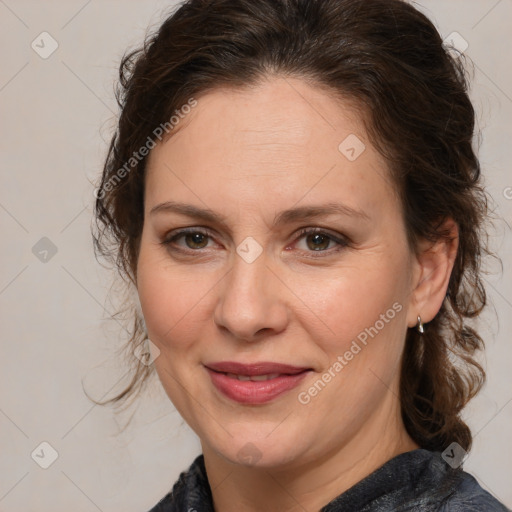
pixel 419 480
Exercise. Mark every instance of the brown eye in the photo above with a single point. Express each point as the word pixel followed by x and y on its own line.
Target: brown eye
pixel 318 242
pixel 196 240
pixel 321 242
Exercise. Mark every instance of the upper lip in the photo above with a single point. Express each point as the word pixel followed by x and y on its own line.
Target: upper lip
pixel 260 368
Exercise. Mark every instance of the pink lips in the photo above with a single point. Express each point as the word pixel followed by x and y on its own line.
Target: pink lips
pixel 279 379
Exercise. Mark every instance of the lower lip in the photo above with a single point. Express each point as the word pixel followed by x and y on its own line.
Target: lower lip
pixel 255 392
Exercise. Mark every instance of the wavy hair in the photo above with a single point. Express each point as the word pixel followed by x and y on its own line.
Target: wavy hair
pixel 388 58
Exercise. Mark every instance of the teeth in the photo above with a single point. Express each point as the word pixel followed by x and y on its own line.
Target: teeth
pixel 253 377
pixel 264 377
pixel 239 377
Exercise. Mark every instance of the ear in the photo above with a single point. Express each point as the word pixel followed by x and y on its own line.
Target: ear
pixel 432 267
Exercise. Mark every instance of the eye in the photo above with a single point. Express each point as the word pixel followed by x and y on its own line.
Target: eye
pixel 194 239
pixel 318 240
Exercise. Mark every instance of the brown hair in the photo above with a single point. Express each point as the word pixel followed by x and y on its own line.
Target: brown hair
pixel 387 57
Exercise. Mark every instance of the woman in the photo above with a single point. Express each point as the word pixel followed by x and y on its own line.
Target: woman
pixel 293 193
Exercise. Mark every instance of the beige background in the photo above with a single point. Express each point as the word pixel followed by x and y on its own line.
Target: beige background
pixel 56 119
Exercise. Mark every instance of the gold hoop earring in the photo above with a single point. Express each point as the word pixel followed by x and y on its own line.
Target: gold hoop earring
pixel 419 325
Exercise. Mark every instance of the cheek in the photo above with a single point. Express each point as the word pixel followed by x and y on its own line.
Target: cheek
pixel 364 302
pixel 173 300
pixel 364 311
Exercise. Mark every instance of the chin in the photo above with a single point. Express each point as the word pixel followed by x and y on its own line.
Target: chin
pixel 259 452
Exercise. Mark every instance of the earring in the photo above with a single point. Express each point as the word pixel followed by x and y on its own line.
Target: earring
pixel 419 325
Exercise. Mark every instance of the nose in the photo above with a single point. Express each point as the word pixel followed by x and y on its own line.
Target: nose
pixel 251 305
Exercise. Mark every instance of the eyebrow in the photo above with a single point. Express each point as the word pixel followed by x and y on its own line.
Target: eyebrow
pixel 283 217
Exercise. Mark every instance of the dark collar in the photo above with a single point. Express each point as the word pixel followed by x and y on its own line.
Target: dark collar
pixel 415 480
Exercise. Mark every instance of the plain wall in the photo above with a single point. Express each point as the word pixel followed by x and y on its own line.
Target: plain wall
pixel 57 116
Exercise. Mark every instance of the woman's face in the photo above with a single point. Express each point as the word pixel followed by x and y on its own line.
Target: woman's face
pixel 247 286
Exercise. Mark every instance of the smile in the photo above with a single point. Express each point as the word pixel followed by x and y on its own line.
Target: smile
pixel 254 378
pixel 251 385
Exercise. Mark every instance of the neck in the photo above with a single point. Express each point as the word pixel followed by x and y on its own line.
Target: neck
pixel 311 482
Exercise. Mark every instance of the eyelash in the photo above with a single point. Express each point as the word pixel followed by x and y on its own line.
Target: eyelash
pixel 340 241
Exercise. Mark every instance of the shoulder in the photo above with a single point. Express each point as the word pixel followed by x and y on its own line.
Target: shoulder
pixel 419 480
pixel 469 496
pixel 164 505
pixel 445 489
pixel 191 492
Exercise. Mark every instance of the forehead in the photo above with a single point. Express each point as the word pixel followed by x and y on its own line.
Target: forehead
pixel 282 134
pixel 274 111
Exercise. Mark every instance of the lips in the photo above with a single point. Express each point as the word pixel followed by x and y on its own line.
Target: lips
pixel 263 368
pixel 254 378
pixel 255 383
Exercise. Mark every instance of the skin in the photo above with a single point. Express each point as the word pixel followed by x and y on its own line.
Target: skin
pixel 248 154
